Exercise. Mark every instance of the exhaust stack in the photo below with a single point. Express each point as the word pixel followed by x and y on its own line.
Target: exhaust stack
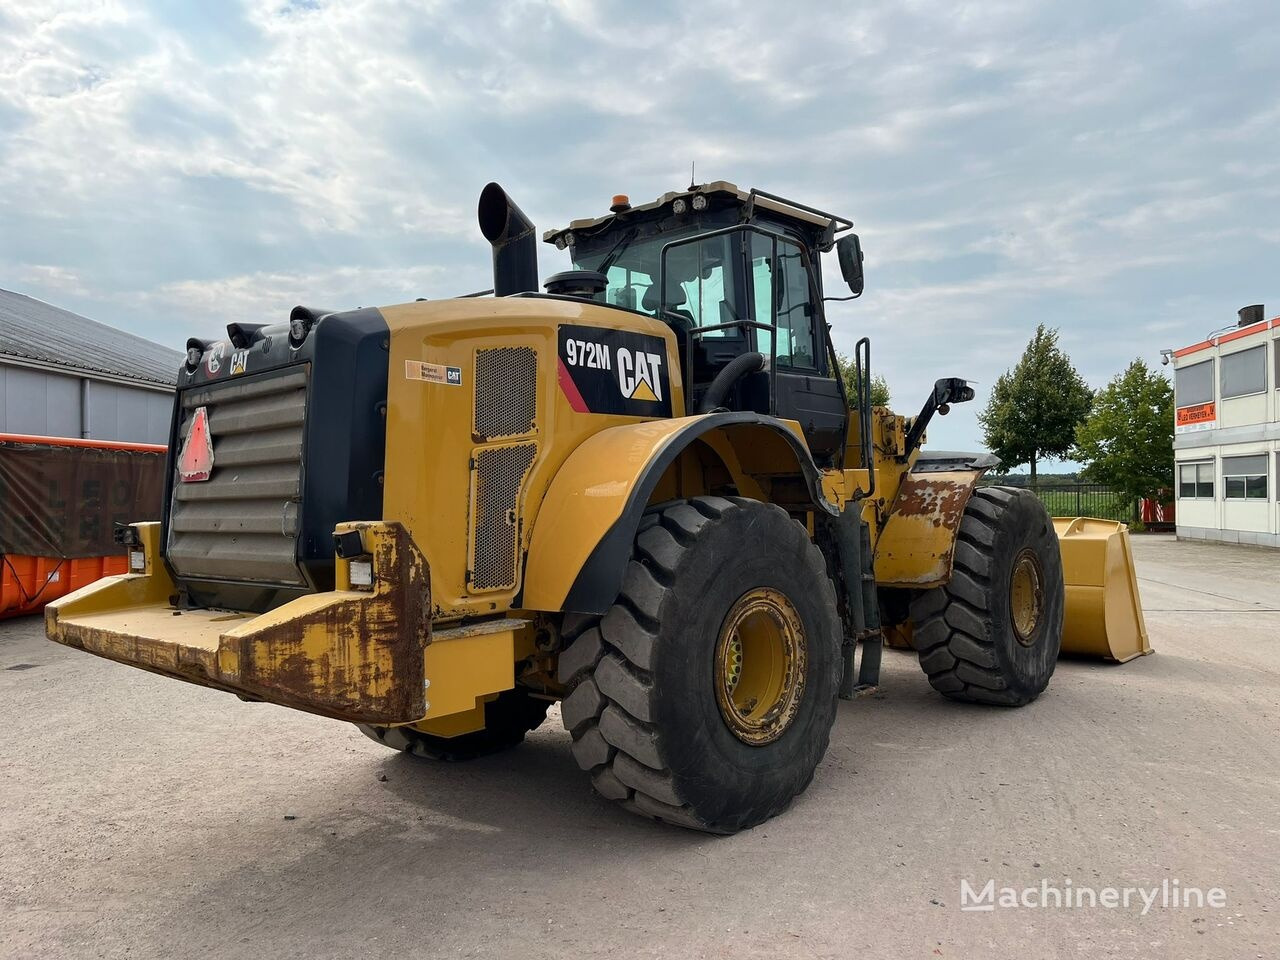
pixel 511 234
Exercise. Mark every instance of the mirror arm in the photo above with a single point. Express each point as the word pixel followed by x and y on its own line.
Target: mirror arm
pixel 946 391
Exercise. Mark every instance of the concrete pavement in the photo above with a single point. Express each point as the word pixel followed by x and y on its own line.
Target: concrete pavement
pixel 143 817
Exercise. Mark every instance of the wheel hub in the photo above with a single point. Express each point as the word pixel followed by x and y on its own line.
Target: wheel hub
pixel 1026 597
pixel 760 662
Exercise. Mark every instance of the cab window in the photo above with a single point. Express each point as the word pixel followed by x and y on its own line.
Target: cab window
pixel 781 281
pixel 700 284
pixel 628 288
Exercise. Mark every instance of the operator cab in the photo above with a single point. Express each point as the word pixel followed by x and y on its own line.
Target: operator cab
pixel 734 273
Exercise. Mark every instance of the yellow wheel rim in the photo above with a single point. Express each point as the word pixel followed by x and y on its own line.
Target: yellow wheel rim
pixel 1026 597
pixel 760 666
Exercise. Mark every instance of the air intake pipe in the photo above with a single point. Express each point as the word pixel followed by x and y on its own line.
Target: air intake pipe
pixel 515 248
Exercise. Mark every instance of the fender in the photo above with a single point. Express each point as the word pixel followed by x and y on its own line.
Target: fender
pixel 917 544
pixel 584 530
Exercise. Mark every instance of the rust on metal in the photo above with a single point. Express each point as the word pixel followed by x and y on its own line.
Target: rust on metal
pixel 917 544
pixel 345 654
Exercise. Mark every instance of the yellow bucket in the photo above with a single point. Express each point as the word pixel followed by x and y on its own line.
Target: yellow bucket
pixel 1103 616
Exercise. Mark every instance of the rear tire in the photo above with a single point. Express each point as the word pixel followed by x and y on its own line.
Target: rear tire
pixel 992 634
pixel 507 717
pixel 705 696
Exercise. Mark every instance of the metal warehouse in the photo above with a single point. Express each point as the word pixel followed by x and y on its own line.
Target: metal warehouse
pixel 63 375
pixel 1227 433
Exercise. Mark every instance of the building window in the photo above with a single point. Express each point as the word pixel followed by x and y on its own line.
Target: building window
pixel 1194 384
pixel 1244 372
pixel 1275 352
pixel 1245 478
pixel 1195 481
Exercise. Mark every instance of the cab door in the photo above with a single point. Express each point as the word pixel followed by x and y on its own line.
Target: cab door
pixel 806 384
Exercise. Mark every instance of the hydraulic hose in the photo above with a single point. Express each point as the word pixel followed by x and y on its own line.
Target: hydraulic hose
pixel 735 370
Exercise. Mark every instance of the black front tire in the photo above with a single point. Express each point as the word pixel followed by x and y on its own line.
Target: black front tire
pixel 643 710
pixel 966 633
pixel 507 717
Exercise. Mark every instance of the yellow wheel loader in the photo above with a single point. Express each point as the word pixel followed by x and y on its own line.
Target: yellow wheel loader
pixel 640 491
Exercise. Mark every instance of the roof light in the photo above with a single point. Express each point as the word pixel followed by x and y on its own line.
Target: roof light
pixel 195 353
pixel 560 244
pixel 699 202
pixel 299 327
pixel 620 203
pixel 569 238
pixel 679 206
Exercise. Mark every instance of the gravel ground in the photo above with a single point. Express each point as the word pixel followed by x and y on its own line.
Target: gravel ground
pixel 143 817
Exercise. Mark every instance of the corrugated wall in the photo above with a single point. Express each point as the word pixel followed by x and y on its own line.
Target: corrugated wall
pixel 49 404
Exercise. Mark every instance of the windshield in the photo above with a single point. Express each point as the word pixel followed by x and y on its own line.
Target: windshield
pixel 701 286
pixel 631 265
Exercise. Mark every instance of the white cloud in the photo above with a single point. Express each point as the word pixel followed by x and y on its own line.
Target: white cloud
pixel 1101 168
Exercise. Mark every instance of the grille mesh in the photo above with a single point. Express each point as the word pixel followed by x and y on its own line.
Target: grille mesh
pixel 495 495
pixel 506 392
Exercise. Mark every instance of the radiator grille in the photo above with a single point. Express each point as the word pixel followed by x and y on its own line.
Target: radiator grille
pixel 496 480
pixel 506 399
pixel 242 523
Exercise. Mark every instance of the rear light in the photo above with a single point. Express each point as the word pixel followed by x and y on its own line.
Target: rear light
pixel 361 574
pixel 195 463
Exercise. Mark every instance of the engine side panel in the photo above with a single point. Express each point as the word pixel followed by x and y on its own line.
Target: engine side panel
pixel 487 399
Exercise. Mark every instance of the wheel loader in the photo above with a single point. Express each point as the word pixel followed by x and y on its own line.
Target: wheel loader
pixel 639 490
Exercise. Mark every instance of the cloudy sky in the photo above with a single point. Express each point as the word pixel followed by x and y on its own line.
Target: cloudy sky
pixel 1112 169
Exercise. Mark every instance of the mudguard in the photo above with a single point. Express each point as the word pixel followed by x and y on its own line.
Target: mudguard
pixel 916 547
pixel 585 526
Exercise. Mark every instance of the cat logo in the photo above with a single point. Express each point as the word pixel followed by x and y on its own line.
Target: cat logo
pixel 239 360
pixel 617 372
pixel 213 362
pixel 638 375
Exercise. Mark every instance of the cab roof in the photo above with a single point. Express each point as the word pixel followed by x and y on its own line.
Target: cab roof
pixel 720 190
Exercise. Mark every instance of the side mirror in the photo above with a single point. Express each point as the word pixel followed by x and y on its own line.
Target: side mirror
pixel 849 250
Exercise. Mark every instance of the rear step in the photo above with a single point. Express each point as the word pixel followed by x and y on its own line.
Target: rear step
pixel 349 654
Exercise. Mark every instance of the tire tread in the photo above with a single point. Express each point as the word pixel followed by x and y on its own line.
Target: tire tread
pixel 617 743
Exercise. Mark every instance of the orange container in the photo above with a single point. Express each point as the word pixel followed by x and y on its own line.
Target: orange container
pixel 27 583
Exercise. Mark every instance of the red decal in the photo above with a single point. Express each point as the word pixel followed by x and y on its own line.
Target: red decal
pixel 195 463
pixel 570 389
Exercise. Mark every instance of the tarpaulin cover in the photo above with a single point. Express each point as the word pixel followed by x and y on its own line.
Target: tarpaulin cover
pixel 64 501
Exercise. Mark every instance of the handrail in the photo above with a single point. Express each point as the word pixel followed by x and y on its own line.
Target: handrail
pixel 862 374
pixel 754 324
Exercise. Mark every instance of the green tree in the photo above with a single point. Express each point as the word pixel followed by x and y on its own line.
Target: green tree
pixel 879 385
pixel 1127 441
pixel 1035 407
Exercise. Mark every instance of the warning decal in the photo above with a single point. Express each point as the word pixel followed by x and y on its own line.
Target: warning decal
pixel 614 371
pixel 432 372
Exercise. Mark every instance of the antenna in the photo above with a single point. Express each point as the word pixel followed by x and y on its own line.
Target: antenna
pixel 693 181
